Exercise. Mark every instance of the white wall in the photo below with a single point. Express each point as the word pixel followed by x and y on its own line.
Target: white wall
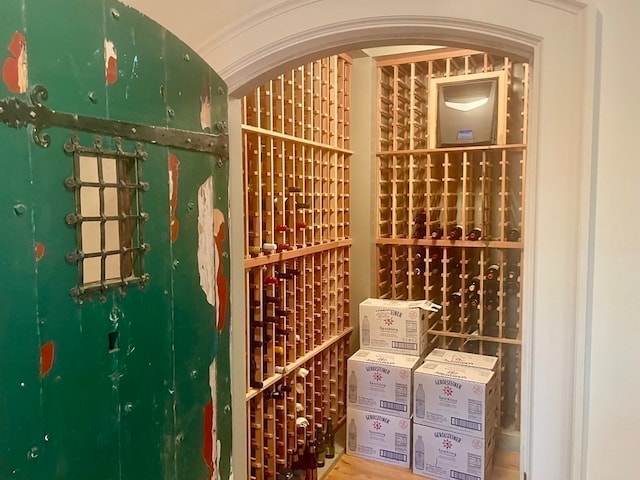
pixel 612 386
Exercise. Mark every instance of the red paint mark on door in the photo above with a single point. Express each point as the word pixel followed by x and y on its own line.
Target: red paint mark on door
pixel 110 62
pixel 14 69
pixel 39 251
pixel 47 353
pixel 207 433
pixel 174 165
pixel 221 280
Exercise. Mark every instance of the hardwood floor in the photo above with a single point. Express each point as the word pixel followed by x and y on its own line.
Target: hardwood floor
pixel 348 467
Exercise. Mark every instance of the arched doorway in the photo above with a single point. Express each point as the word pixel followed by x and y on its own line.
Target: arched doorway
pixel 252 49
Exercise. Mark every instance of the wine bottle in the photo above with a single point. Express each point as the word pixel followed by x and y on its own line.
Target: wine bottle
pixel 420 231
pixel 330 440
pixel 287 472
pixel 283 247
pixel 435 260
pixel 284 275
pixel 493 272
pixel 311 460
pixel 512 288
pixel 512 273
pixel 420 399
pixel 275 395
pixel 490 303
pixel 269 299
pixel 474 234
pixel 270 280
pixel 491 288
pixel 321 448
pixel 269 247
pixel 301 225
pixel 282 228
pixel 298 466
pixel 253 367
pixel 474 300
pixel 513 234
pixel 420 218
pixel 437 233
pixel 420 255
pixel 473 286
pixel 352 436
pixel 455 233
pixel 455 299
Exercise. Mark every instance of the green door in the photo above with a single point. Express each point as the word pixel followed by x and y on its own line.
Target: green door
pixel 114 326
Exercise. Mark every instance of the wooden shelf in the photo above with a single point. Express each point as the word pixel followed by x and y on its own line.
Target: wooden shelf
pixel 296 136
pixel 422 189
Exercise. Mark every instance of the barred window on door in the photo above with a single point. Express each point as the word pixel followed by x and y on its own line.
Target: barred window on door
pixel 108 218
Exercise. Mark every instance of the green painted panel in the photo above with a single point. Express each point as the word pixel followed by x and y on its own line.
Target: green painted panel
pixel 187 83
pixel 138 93
pixel 19 343
pixel 221 185
pixel 145 409
pixel 194 332
pixel 70 65
pixel 146 387
pixel 79 405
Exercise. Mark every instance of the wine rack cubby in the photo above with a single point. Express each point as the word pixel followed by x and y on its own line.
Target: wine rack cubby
pixel 297 242
pixel 450 219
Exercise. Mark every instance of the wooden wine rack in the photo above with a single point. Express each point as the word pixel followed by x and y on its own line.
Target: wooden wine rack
pixel 296 173
pixel 423 188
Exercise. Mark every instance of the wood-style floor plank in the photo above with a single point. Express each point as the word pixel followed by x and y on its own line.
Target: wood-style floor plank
pixel 506 467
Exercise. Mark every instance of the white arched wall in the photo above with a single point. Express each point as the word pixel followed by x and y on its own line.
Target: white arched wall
pixel 255 39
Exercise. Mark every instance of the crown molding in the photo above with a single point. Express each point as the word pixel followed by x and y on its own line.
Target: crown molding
pixel 371 31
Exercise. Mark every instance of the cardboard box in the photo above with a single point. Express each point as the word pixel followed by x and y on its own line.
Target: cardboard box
pixel 444 455
pixel 378 436
pixel 455 398
pixel 395 326
pixel 381 382
pixel 464 359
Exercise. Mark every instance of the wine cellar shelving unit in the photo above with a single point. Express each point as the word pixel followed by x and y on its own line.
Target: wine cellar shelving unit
pixel 296 177
pixel 450 219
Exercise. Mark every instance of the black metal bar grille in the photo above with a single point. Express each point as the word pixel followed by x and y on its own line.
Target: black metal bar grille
pixel 129 187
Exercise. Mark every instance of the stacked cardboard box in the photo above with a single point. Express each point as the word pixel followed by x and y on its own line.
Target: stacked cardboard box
pixel 454 419
pixel 379 379
pixel 395 326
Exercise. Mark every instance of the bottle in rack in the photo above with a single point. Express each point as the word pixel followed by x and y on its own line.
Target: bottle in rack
pixel 493 272
pixel 321 447
pixel 455 233
pixel 352 436
pixel 437 233
pixel 420 231
pixel 329 439
pixel 474 234
pixel 420 399
pixel 512 272
pixel 353 387
pixel 310 461
pixel 512 234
